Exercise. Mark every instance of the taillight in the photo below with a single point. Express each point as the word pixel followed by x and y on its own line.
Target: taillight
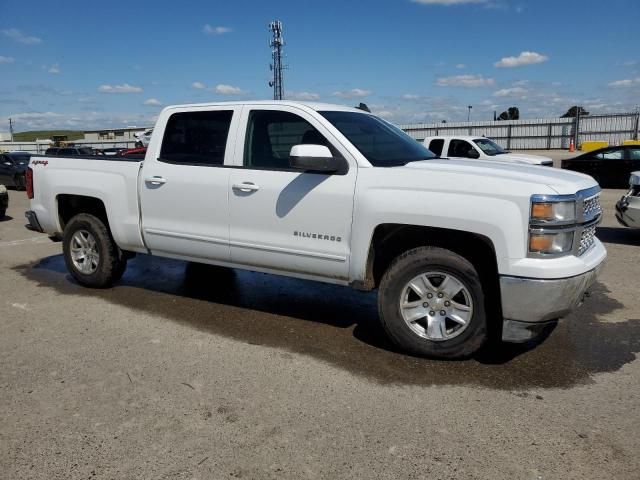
pixel 29 177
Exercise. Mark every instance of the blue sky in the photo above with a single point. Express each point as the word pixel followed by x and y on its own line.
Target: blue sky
pixel 80 64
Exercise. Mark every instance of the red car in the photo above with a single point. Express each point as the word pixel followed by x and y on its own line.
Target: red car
pixel 134 153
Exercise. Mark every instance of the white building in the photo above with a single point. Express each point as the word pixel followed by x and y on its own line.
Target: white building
pixel 126 134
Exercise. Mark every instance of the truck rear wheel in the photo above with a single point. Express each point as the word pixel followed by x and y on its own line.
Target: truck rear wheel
pixel 431 304
pixel 90 253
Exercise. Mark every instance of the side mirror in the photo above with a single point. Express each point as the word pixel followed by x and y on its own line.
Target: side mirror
pixel 473 153
pixel 314 158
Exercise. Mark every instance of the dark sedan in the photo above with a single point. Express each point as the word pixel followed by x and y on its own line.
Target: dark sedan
pixel 13 166
pixel 610 166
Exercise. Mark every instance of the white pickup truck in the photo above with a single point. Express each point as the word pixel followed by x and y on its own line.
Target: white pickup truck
pixel 458 250
pixel 461 147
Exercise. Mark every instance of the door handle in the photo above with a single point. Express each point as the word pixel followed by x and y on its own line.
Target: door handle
pixel 246 187
pixel 155 180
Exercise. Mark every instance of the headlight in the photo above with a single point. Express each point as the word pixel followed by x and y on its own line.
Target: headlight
pixel 553 212
pixel 550 243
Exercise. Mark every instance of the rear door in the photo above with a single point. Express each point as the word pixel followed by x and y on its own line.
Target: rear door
pixel 284 219
pixel 184 191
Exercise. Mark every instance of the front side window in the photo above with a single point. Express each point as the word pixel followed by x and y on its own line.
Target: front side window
pixel 381 143
pixel 196 138
pixel 436 146
pixel 272 133
pixel 489 147
pixel 460 148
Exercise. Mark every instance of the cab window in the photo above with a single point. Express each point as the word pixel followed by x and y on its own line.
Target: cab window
pixel 196 138
pixel 436 146
pixel 460 148
pixel 611 155
pixel 270 136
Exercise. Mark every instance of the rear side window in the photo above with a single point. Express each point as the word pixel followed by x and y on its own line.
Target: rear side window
pixel 196 138
pixel 611 155
pixel 436 146
pixel 634 154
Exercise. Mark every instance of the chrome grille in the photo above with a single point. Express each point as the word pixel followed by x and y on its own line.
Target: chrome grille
pixel 587 239
pixel 592 207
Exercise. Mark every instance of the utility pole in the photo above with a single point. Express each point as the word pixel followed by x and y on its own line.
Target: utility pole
pixel 11 128
pixel 469 113
pixel 276 66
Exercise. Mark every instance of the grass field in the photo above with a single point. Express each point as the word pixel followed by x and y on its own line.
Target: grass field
pixel 45 134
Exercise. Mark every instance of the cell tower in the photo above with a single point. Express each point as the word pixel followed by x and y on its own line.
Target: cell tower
pixel 276 44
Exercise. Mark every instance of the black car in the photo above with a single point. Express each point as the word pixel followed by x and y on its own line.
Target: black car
pixel 4 201
pixel 13 166
pixel 609 166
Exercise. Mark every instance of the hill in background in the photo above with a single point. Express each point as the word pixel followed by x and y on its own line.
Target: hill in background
pixel 34 135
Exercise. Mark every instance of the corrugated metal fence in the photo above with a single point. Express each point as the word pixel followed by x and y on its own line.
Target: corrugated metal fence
pixel 542 133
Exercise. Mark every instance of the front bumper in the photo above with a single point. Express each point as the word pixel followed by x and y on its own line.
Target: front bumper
pixel 628 211
pixel 531 305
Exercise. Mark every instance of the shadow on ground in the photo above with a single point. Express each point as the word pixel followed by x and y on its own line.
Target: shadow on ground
pixel 619 235
pixel 339 326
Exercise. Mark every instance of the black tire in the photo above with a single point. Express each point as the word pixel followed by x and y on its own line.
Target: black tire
pixel 20 182
pixel 2 214
pixel 412 264
pixel 111 260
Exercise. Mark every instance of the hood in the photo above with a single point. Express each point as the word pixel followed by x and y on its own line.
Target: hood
pixel 524 158
pixel 562 182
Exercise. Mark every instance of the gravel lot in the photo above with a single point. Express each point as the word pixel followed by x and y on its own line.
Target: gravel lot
pixel 178 373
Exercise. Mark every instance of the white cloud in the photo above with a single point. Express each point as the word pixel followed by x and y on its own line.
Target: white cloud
pixel 509 92
pixel 18 36
pixel 630 82
pixel 525 58
pixel 198 85
pixel 124 88
pixel 465 81
pixel 410 96
pixel 55 69
pixel 353 93
pixel 460 66
pixel 153 102
pixel 630 63
pixel 448 3
pixel 209 30
pixel 6 59
pixel 223 89
pixel 77 120
pixel 303 96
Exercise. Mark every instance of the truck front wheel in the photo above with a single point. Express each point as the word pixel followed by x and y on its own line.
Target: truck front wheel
pixel 90 253
pixel 431 304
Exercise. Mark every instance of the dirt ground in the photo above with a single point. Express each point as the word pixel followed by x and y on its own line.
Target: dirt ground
pixel 180 373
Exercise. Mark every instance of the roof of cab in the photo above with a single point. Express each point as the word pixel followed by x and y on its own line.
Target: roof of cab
pixel 459 137
pixel 313 105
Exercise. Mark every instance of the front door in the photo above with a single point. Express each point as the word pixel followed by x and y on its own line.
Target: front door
pixel 283 219
pixel 184 192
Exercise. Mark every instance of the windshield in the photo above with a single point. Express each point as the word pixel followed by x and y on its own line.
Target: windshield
pixel 20 158
pixel 383 144
pixel 489 147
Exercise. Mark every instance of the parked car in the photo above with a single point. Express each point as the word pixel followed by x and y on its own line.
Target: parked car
pixel 13 166
pixel 52 150
pixel 113 151
pixel 134 153
pixel 4 201
pixel 479 148
pixel 143 138
pixel 456 248
pixel 610 166
pixel 628 207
